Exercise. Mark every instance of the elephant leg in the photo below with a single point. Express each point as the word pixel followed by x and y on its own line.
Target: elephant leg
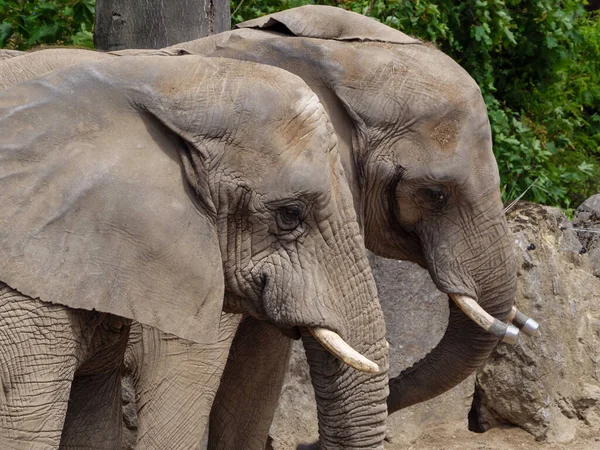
pixel 40 346
pixel 250 388
pixel 175 381
pixel 94 417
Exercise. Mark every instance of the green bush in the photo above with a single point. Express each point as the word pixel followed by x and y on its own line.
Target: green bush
pixel 25 24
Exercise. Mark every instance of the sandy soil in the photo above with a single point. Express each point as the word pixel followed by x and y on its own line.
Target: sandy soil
pixel 496 439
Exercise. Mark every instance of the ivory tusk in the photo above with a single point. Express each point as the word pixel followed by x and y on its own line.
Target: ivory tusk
pixel 339 348
pixel 523 322
pixel 507 332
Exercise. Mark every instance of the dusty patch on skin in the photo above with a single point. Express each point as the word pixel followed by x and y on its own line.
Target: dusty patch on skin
pixel 445 133
pixel 309 102
pixel 307 111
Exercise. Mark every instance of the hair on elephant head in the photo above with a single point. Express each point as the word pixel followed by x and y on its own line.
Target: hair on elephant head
pixel 148 187
pixel 416 146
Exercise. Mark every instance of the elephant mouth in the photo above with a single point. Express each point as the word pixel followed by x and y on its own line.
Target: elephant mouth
pixel 293 333
pixel 329 339
pixel 334 344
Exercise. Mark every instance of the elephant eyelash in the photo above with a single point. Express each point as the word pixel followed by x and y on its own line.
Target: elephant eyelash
pixel 289 217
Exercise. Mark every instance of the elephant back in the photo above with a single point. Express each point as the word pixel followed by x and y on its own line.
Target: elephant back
pixel 328 22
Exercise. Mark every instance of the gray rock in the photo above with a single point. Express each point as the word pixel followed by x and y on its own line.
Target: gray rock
pixel 127 390
pixel 296 417
pixel 416 316
pixel 548 384
pixel 130 416
pixel 129 413
pixel 587 219
pixel 591 206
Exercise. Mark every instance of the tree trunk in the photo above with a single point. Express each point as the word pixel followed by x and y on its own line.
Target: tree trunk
pixel 157 23
pixel 593 5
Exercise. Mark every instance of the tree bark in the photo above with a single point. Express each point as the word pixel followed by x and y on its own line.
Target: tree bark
pixel 157 23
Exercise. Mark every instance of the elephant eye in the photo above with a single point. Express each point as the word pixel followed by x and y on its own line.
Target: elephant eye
pixel 289 217
pixel 436 196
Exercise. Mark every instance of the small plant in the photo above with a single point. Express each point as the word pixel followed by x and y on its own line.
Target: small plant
pixel 25 24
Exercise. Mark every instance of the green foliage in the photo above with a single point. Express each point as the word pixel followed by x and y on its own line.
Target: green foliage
pixel 537 63
pixel 25 24
pixel 250 9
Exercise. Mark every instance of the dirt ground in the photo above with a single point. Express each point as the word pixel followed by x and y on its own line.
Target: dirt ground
pixel 495 439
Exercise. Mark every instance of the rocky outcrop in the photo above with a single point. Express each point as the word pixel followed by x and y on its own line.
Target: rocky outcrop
pixel 129 413
pixel 587 226
pixel 549 385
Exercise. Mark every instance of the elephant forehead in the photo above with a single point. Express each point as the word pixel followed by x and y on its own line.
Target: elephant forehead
pixel 289 108
pixel 291 153
pixel 296 176
pixel 446 150
pixel 281 167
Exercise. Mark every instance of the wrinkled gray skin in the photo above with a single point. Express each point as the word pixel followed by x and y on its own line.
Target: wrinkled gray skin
pixel 259 223
pixel 415 144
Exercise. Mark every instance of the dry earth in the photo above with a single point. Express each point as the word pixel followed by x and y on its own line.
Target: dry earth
pixel 450 438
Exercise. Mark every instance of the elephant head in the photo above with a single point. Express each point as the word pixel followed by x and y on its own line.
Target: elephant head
pixel 416 146
pixel 152 188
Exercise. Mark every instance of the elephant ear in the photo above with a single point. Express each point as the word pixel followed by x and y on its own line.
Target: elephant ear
pixel 328 22
pixel 96 213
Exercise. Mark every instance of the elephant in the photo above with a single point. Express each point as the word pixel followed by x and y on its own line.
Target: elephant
pixel 6 54
pixel 415 145
pixel 175 192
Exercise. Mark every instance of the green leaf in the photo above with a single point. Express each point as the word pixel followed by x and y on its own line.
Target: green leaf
pixel 510 36
pixel 551 42
pixel 6 32
pixel 479 33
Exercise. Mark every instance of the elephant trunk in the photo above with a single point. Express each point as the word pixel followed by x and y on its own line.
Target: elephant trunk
pixel 351 405
pixel 464 347
pixel 491 280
